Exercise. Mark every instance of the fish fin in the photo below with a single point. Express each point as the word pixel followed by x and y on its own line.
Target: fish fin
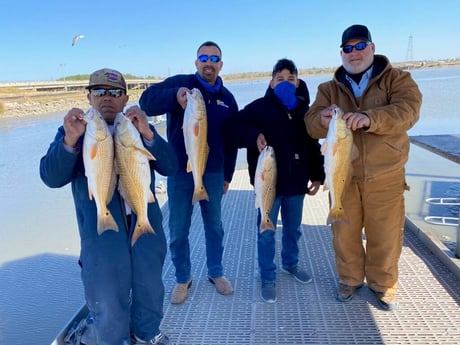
pixel 189 166
pixel 200 194
pixel 90 193
pixel 262 176
pixel 151 197
pixel 324 147
pixel 334 148
pixel 93 151
pixel 196 129
pixel 140 229
pixel 146 153
pixel 105 222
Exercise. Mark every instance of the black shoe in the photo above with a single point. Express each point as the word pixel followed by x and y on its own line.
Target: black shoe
pixel 299 275
pixel 346 292
pixel 268 292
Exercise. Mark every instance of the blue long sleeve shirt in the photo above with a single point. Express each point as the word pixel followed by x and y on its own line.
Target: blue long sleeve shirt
pixel 221 107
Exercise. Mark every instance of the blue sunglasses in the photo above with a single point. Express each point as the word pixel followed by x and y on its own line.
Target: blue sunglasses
pixel 204 58
pixel 358 46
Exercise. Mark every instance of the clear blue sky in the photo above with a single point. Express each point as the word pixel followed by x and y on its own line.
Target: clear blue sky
pixel 160 37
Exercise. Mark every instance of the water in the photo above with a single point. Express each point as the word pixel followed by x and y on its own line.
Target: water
pixel 39 244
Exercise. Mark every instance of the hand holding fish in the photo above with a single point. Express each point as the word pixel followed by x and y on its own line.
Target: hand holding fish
pixel 182 96
pixel 261 142
pixel 139 119
pixel 326 115
pixel 313 187
pixel 357 120
pixel 74 126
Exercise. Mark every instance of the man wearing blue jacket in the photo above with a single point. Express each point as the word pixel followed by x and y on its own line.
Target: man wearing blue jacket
pixel 169 97
pixel 276 119
pixel 123 284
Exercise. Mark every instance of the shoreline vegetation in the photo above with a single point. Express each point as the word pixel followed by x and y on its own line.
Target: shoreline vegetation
pixel 19 103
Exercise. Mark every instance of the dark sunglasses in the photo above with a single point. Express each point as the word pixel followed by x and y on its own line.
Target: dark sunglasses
pixel 205 58
pixel 358 46
pixel 103 92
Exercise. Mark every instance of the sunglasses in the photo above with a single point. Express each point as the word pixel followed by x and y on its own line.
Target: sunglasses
pixel 358 46
pixel 205 58
pixel 103 92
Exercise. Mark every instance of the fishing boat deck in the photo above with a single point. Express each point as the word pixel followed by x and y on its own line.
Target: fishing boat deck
pixel 429 289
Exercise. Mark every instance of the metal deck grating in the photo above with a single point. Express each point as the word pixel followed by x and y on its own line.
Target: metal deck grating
pixel 429 294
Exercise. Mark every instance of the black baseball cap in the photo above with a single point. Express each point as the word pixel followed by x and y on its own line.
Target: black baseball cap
pixel 356 31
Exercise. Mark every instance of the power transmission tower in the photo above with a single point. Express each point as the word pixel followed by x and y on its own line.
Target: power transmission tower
pixel 410 50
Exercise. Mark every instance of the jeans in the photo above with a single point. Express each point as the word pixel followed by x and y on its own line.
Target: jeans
pixel 291 217
pixel 180 192
pixel 123 285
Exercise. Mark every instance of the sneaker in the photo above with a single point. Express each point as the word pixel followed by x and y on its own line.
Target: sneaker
pixel 387 300
pixel 299 275
pixel 159 339
pixel 222 284
pixel 180 292
pixel 268 292
pixel 345 292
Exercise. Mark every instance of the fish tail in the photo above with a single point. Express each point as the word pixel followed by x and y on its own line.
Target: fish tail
pixel 200 193
pixel 106 222
pixel 139 229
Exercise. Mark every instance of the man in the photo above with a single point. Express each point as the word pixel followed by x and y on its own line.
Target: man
pixel 276 120
pixel 123 283
pixel 170 97
pixel 380 105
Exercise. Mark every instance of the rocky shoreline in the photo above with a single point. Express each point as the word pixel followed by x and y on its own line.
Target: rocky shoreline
pixel 19 107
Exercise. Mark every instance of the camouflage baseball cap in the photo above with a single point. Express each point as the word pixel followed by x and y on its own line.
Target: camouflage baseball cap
pixel 107 77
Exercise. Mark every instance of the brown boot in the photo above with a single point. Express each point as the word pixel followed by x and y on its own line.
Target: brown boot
pixel 387 300
pixel 346 292
pixel 222 284
pixel 180 292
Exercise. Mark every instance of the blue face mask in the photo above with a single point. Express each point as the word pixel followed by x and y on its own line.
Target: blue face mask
pixel 285 91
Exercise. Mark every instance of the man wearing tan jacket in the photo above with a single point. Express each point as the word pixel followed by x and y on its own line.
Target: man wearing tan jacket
pixel 380 105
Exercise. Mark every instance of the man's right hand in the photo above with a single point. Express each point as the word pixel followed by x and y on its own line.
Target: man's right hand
pixel 326 115
pixel 74 126
pixel 182 96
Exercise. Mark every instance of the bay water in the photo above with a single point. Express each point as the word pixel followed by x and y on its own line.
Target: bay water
pixel 39 245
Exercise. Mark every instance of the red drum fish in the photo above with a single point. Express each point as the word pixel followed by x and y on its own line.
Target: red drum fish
pixel 98 156
pixel 265 186
pixel 195 129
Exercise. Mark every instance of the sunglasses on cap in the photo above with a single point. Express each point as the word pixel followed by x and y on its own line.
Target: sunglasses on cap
pixel 204 58
pixel 358 46
pixel 103 92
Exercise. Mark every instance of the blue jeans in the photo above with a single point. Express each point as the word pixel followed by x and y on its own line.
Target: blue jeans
pixel 291 217
pixel 123 285
pixel 180 192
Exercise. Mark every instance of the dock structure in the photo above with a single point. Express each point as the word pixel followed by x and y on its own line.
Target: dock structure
pixel 429 291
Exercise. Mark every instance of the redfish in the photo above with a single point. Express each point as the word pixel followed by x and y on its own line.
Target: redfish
pixel 98 156
pixel 265 186
pixel 195 129
pixel 337 150
pixel 133 167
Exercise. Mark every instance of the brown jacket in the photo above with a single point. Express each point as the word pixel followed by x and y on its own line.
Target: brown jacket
pixel 392 102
